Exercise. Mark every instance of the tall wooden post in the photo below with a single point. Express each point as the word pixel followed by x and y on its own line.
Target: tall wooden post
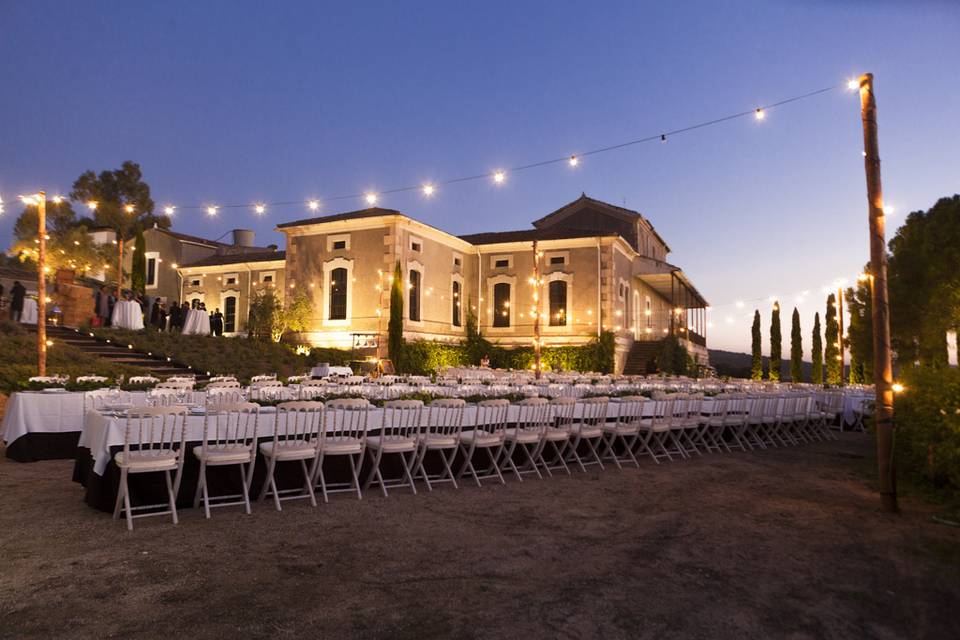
pixel 882 360
pixel 840 331
pixel 42 284
pixel 119 266
pixel 536 315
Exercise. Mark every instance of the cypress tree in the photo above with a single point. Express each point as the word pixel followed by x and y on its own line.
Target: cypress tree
pixel 831 335
pixel 776 343
pixel 138 270
pixel 796 348
pixel 816 352
pixel 395 327
pixel 756 368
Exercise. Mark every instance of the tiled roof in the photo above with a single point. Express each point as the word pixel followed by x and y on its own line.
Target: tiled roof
pixel 237 258
pixel 529 235
pixel 372 212
pixel 188 238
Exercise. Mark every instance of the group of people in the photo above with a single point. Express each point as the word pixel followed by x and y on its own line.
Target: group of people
pixel 157 315
pixel 17 295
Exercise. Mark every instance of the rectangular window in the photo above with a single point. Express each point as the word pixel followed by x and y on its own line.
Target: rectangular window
pixel 415 295
pixel 266 277
pixel 501 305
pixel 338 294
pixel 195 282
pixel 456 304
pixel 558 303
pixel 339 244
pixel 557 260
pixel 501 264
pixel 151 272
pixel 230 314
pixel 457 261
pixel 231 278
pixel 415 246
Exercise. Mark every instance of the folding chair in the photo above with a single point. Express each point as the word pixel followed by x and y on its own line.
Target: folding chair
pixel 399 434
pixel 488 434
pixel 441 434
pixel 557 433
pixel 344 434
pixel 159 439
pixel 229 438
pixel 655 429
pixel 626 429
pixel 588 430
pixel 296 438
pixel 533 417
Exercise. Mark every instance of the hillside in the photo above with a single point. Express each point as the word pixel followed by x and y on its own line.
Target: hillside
pixel 737 365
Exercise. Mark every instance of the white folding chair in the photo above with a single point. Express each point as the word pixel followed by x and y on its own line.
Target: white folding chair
pixel 626 430
pixel 263 377
pixel 656 429
pixel 714 423
pixel 158 434
pixel 223 384
pixel 441 434
pixel 557 433
pixel 399 434
pixel 489 429
pixel 588 430
pixel 344 434
pixel 106 398
pixel 296 438
pixel 229 438
pixel 310 389
pixel 533 418
pixel 266 390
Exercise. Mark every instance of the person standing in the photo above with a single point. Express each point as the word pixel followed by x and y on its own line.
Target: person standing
pixel 216 322
pixel 17 294
pixel 174 315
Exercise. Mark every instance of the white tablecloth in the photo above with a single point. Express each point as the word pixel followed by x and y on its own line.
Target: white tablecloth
pixel 29 314
pixel 127 314
pixel 197 323
pixel 29 411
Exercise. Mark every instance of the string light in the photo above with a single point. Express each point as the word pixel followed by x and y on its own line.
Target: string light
pixel 760 114
pixel 371 198
pixel 499 177
pixel 574 161
pixel 92 205
pixel 211 211
pixel 57 199
pixel 128 208
pixel 313 205
pixel 169 209
pixel 260 209
pixel 853 84
pixel 898 388
pixel 428 190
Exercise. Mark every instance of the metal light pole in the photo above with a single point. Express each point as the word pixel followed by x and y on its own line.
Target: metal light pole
pixel 882 357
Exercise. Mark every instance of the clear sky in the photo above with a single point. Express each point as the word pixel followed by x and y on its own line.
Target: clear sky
pixel 234 102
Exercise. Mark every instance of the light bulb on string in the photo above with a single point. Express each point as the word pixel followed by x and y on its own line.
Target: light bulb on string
pixel 169 209
pixel 212 210
pixel 853 84
pixel 92 205
pixel 428 189
pixel 260 209
pixel 759 114
pixel 499 177
pixel 313 205
pixel 371 198
pixel 574 161
pixel 128 208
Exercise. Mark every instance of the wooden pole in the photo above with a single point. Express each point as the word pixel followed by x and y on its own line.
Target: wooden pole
pixel 119 266
pixel 536 315
pixel 840 331
pixel 882 357
pixel 42 284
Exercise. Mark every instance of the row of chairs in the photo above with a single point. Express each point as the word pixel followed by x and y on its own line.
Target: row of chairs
pixel 537 437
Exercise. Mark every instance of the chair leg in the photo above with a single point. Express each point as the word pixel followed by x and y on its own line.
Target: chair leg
pixel 245 487
pixel 447 462
pixel 206 496
pixel 495 461
pixel 420 468
pixel 408 469
pixel 318 476
pixel 121 491
pixel 172 497
pixel 308 482
pixel 199 492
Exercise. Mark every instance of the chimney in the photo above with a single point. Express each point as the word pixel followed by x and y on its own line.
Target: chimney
pixel 242 238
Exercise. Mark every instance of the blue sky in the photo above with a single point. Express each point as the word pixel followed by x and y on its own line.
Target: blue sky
pixel 234 102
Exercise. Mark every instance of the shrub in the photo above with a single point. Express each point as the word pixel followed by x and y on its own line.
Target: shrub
pixel 422 357
pixel 927 416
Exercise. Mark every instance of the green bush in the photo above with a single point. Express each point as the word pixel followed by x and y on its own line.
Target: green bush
pixel 422 357
pixel 927 418
pixel 18 361
pixel 242 357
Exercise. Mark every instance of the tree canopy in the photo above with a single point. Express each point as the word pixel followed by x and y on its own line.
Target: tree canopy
pixel 69 245
pixel 113 192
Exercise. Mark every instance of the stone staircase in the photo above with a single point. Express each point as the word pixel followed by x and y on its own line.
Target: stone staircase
pixel 118 353
pixel 640 359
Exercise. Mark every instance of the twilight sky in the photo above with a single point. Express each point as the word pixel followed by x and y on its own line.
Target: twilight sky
pixel 235 102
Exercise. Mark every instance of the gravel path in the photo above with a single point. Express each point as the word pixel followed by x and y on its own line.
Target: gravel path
pixel 773 544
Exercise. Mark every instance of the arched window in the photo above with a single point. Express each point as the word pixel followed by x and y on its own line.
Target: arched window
pixel 558 303
pixel 338 294
pixel 501 304
pixel 456 304
pixel 230 314
pixel 648 311
pixel 415 295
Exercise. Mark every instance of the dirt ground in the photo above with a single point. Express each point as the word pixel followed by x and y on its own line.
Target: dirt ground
pixel 775 544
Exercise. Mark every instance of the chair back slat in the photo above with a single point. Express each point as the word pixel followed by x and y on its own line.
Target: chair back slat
pixel 630 411
pixel 446 417
pixel 563 411
pixel 228 425
pixel 492 417
pixel 158 430
pixel 594 411
pixel 533 415
pixel 401 419
pixel 298 423
pixel 346 419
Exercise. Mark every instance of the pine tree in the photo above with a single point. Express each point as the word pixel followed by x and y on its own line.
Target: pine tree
pixel 796 348
pixel 756 368
pixel 776 343
pixel 395 327
pixel 816 352
pixel 831 336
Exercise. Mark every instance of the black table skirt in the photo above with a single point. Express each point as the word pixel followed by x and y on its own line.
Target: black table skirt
pixel 35 446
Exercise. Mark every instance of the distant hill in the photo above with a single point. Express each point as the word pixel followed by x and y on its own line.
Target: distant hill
pixel 737 365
